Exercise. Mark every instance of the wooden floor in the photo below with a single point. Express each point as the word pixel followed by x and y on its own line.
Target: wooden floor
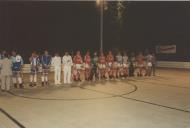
pixel 162 101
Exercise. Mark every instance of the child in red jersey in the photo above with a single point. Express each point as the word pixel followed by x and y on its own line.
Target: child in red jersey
pixel 87 63
pixel 75 73
pixel 77 60
pixel 141 64
pixel 102 65
pixel 109 62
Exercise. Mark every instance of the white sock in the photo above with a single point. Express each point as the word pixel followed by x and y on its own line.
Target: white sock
pixel 35 78
pixel 19 80
pixel 42 78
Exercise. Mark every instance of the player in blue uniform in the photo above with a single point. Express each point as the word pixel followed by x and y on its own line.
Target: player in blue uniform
pixel 46 63
pixel 34 62
pixel 17 63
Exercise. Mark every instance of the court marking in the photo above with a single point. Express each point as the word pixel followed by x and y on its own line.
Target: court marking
pixel 155 104
pixel 150 103
pixel 12 118
pixel 72 99
pixel 112 96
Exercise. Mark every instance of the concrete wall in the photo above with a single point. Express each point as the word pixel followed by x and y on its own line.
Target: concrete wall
pixel 163 64
pixel 173 64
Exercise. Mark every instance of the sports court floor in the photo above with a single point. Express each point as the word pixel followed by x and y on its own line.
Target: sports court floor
pixel 162 101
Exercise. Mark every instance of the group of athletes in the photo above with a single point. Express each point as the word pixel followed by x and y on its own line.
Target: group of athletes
pixel 90 67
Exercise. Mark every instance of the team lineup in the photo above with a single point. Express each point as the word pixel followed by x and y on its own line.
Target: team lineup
pixel 76 68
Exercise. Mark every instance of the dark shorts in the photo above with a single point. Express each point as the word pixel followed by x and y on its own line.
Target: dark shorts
pixel 16 73
pixel 45 71
pixel 34 70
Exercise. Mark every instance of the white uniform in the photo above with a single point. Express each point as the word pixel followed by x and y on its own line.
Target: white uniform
pixel 119 59
pixel 56 63
pixel 149 59
pixel 67 63
pixel 125 62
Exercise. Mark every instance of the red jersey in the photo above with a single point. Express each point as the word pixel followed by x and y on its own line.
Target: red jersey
pixel 87 59
pixel 77 59
pixel 140 59
pixel 110 58
pixel 102 60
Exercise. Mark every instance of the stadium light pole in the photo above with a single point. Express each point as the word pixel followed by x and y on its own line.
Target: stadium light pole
pixel 100 3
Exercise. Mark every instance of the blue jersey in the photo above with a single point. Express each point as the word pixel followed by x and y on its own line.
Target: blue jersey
pixel 45 60
pixel 17 63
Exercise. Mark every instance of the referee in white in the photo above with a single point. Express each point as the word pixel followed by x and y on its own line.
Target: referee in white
pixel 67 64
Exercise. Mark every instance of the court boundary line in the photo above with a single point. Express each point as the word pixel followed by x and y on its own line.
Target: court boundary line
pixel 12 118
pixel 155 104
pixel 151 103
pixel 114 95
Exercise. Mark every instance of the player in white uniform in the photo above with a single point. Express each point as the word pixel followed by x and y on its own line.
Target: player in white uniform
pixel 67 64
pixel 56 63
pixel 125 64
pixel 119 60
pixel 149 59
pixel 6 71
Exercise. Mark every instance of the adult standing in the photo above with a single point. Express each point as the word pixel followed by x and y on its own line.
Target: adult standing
pixel 94 67
pixel 154 64
pixel 132 64
pixel 56 63
pixel 6 73
pixel 67 64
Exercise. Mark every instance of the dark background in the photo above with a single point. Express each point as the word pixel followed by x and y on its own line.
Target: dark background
pixel 61 25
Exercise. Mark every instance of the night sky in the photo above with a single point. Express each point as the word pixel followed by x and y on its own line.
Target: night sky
pixel 61 25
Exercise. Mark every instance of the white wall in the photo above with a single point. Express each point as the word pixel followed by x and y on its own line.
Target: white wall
pixel 173 64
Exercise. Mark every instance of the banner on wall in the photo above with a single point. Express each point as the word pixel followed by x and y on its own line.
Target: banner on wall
pixel 166 49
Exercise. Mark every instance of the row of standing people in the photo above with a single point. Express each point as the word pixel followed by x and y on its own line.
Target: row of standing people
pixel 75 68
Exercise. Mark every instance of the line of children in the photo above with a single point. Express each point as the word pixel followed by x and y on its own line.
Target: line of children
pixel 77 68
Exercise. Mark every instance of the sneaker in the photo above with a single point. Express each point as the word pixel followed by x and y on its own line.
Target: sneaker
pixel 21 86
pixel 31 85
pixel 34 84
